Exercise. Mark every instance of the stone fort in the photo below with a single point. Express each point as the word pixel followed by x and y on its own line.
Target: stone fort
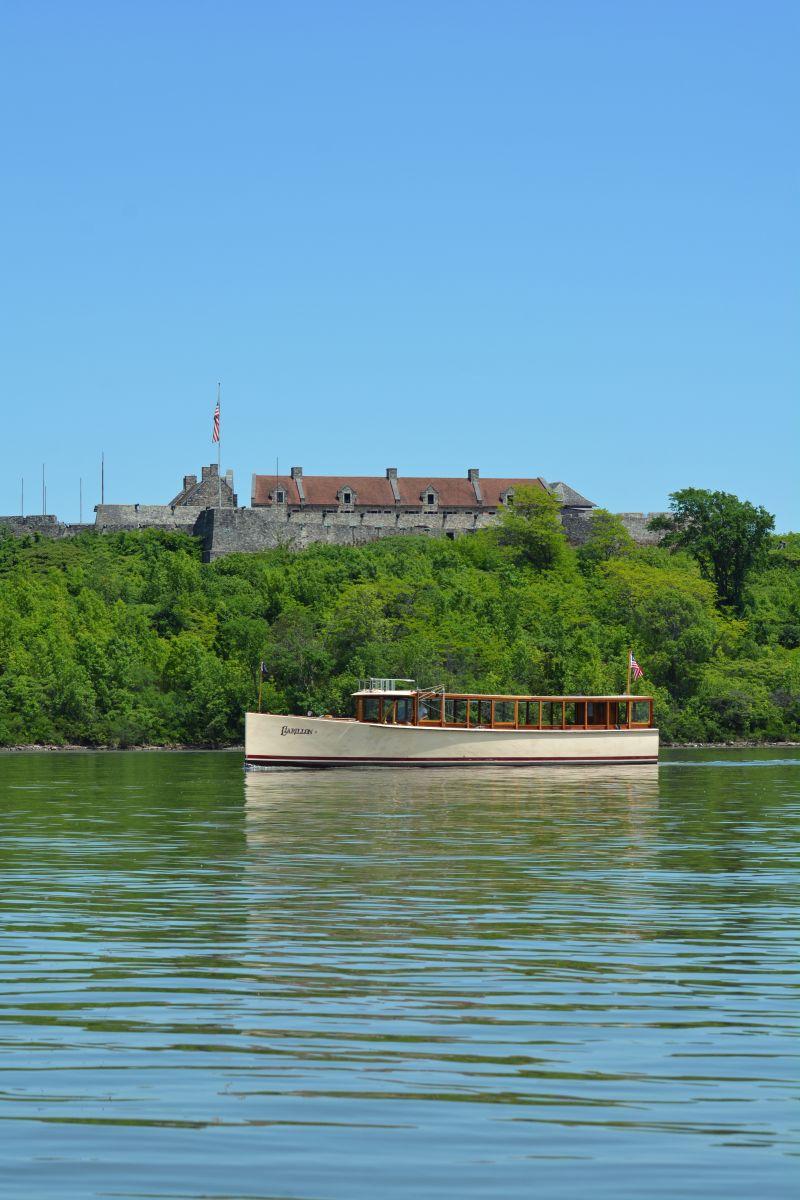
pixel 295 510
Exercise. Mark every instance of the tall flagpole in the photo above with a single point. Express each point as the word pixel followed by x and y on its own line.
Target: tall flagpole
pixel 628 687
pixel 219 450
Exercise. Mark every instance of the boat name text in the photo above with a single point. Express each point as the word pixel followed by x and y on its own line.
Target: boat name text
pixel 291 729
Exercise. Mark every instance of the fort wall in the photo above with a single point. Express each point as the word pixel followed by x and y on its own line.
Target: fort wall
pixel 297 511
pixel 114 518
pixel 45 525
pixel 248 530
pixel 578 525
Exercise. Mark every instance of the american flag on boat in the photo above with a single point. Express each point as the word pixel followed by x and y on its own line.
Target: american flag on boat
pixel 636 670
pixel 215 434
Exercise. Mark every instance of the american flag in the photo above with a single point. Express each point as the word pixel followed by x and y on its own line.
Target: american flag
pixel 636 670
pixel 215 433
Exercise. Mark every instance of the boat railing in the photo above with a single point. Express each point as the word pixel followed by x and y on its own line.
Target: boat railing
pixel 374 684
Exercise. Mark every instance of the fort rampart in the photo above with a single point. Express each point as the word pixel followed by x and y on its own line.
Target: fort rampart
pixel 327 510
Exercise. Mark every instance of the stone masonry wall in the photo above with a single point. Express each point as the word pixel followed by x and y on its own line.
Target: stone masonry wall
pixel 114 518
pixel 45 526
pixel 248 530
pixel 578 523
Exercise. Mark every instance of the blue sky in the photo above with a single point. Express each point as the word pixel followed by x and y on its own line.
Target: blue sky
pixel 554 239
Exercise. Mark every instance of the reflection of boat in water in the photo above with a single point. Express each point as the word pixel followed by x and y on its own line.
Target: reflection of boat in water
pixel 399 725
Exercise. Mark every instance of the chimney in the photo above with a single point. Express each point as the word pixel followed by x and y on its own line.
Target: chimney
pixel 391 475
pixel 472 476
pixel 189 481
pixel 210 472
pixel 297 476
pixel 229 479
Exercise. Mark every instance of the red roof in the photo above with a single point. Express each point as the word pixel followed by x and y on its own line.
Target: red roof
pixel 375 491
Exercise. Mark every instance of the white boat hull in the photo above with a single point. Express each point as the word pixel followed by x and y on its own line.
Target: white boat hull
pixel 279 741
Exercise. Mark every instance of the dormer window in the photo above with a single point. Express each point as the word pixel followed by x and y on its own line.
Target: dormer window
pixel 347 497
pixel 507 497
pixel 280 497
pixel 430 498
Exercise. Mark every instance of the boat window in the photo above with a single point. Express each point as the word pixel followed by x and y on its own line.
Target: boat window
pixel 622 712
pixel 455 712
pixel 529 714
pixel 596 712
pixel 574 712
pixel 371 708
pixel 504 712
pixel 641 712
pixel 480 712
pixel 430 709
pixel 552 712
pixel 402 711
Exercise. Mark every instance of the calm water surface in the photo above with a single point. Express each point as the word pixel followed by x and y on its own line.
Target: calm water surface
pixel 412 984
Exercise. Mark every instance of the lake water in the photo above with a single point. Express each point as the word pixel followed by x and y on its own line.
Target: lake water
pixel 553 983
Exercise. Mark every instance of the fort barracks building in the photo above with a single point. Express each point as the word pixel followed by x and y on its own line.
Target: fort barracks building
pixel 470 499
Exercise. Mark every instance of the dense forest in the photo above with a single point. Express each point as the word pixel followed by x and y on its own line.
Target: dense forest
pixel 129 639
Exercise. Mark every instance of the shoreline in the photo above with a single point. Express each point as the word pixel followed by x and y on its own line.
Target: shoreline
pixel 189 748
pixel 74 748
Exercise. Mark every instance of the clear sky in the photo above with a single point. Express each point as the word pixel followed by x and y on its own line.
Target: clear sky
pixel 554 239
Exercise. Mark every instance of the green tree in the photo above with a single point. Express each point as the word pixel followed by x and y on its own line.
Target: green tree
pixel 727 536
pixel 532 527
pixel 608 538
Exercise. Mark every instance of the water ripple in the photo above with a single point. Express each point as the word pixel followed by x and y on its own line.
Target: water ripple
pixel 343 985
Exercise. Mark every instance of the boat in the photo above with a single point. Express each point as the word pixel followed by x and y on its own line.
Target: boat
pixel 397 724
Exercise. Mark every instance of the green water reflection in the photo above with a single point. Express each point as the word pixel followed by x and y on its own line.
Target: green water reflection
pixel 400 984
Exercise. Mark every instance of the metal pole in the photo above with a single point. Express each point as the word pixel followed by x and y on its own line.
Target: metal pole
pixel 80 500
pixel 219 451
pixel 44 493
pixel 22 495
pixel 102 476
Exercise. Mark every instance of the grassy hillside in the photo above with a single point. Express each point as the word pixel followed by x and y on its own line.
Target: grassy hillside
pixel 128 639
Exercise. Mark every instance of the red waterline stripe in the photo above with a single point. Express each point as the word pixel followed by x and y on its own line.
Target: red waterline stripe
pixel 280 758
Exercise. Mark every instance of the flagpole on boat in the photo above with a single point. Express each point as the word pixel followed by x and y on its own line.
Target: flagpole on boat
pixel 628 685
